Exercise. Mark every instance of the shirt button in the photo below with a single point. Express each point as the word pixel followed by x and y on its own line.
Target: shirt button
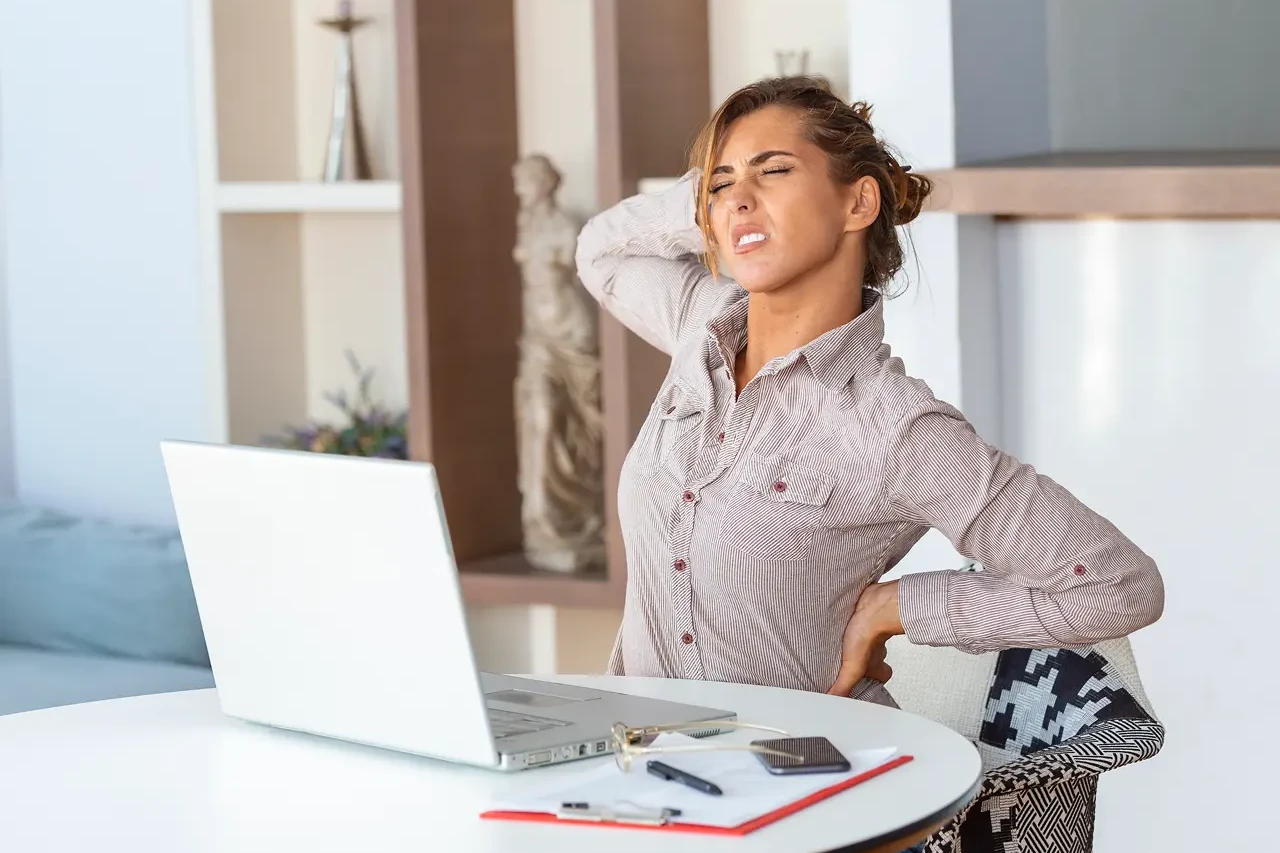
pixel 686 638
pixel 671 410
pixel 1079 570
pixel 680 565
pixel 688 497
pixel 779 486
pixel 720 437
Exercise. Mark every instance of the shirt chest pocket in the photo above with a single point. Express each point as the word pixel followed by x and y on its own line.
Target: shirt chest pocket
pixel 672 430
pixel 775 509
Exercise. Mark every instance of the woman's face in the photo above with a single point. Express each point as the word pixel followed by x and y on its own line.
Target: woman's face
pixel 776 212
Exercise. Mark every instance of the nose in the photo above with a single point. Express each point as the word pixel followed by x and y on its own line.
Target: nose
pixel 740 197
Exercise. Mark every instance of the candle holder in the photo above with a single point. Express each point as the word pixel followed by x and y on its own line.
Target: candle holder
pixel 346 155
pixel 791 62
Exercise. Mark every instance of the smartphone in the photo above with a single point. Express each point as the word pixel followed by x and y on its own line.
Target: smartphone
pixel 817 755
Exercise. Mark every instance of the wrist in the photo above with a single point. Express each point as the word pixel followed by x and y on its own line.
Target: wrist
pixel 885 619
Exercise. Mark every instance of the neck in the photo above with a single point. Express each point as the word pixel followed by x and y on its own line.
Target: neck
pixel 799 312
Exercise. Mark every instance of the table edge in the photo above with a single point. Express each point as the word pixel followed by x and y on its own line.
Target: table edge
pixel 934 820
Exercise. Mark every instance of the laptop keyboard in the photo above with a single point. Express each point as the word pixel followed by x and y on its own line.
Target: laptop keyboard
pixel 506 724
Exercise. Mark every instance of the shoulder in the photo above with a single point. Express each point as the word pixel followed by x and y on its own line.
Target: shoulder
pixel 880 401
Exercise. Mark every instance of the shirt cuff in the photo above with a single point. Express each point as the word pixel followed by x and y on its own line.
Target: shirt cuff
pixel 922 607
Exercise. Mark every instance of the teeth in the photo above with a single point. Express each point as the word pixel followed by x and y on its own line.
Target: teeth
pixel 754 237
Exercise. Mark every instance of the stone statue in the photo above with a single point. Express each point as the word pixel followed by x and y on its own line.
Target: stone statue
pixel 557 388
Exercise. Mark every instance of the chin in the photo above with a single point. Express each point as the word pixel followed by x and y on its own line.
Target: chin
pixel 755 280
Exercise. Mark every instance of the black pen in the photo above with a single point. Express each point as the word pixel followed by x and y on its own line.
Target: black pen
pixel 672 774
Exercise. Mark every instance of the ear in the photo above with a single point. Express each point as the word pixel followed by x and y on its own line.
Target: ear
pixel 863 204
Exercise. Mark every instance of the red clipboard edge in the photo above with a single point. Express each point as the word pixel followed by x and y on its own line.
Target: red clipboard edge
pixel 741 829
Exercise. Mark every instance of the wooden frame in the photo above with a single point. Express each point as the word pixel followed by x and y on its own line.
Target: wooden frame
pixel 457 108
pixel 456 65
pixel 653 84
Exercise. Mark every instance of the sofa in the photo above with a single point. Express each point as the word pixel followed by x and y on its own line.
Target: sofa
pixel 91 609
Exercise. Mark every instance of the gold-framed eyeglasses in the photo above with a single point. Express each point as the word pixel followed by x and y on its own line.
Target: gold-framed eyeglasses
pixel 629 743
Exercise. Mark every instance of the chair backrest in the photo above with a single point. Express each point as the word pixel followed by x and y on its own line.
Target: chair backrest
pixel 1017 701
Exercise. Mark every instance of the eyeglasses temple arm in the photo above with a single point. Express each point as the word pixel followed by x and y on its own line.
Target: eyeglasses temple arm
pixel 710 724
pixel 745 747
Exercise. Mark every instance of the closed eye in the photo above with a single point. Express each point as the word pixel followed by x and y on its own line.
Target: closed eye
pixel 774 170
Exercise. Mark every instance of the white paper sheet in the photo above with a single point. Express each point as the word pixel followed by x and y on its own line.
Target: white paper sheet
pixel 749 789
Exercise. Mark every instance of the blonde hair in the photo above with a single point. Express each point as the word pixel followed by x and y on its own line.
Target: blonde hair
pixel 844 132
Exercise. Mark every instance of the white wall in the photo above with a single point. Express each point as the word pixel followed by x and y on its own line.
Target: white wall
pixel 103 301
pixel 1142 370
pixel 1154 74
pixel 746 33
pixel 6 416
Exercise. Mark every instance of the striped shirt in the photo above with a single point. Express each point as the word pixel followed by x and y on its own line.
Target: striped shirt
pixel 753 521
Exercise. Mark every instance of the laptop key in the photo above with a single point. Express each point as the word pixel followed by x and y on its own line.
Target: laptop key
pixel 507 724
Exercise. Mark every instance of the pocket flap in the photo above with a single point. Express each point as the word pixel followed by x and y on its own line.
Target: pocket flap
pixel 779 479
pixel 680 403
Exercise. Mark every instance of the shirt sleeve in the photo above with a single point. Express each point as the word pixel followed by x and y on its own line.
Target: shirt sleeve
pixel 615 665
pixel 1055 573
pixel 641 261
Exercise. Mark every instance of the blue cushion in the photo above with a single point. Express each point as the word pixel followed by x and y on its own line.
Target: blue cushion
pixel 77 585
pixel 34 678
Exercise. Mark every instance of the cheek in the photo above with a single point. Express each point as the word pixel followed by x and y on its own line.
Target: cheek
pixel 805 227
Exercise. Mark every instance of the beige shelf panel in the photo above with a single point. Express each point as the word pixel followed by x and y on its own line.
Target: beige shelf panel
pixel 1163 185
pixel 309 197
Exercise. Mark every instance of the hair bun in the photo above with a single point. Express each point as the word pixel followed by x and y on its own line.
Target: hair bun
pixel 914 190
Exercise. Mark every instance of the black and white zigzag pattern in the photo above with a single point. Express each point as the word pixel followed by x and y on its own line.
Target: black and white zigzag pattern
pixel 1069 719
pixel 1041 697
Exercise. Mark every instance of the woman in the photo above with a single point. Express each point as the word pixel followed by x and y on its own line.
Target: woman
pixel 788 461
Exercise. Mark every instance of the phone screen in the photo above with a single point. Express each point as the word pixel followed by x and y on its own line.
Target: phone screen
pixel 817 755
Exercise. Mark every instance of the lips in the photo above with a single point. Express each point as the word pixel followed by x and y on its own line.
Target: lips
pixel 747 237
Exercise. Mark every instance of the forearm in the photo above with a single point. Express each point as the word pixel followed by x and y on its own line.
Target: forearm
pixel 1055 573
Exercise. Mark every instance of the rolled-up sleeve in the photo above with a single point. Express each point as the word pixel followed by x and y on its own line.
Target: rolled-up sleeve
pixel 641 260
pixel 1055 573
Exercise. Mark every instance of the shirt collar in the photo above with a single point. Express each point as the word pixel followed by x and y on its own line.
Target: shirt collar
pixel 832 357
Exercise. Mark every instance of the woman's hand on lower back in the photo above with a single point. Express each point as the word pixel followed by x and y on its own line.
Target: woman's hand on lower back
pixel 875 619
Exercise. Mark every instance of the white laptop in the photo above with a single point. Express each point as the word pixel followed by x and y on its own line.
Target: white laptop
pixel 330 602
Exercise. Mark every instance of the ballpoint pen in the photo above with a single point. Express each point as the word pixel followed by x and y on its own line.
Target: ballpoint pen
pixel 674 774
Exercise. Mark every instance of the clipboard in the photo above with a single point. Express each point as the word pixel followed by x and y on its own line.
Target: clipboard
pixel 620 816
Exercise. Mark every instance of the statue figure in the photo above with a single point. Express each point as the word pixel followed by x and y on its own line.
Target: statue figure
pixel 557 388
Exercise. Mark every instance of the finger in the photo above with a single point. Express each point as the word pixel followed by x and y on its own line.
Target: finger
pixel 849 675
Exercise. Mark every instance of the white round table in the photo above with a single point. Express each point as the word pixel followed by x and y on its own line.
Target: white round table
pixel 170 772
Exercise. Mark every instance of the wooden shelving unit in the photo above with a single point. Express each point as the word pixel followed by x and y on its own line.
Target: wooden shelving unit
pixel 302 270
pixel 462 288
pixel 1167 185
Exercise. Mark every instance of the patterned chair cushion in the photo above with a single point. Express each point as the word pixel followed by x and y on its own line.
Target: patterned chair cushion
pixel 1050 722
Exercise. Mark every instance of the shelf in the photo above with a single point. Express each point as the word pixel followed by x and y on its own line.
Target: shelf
pixel 1153 185
pixel 309 197
pixel 511 580
pixel 1166 185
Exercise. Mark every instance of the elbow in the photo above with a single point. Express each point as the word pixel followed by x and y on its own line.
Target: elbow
pixel 1143 595
pixel 586 257
pixel 1128 604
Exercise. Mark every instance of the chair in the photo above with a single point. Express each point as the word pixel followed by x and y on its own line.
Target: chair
pixel 1047 722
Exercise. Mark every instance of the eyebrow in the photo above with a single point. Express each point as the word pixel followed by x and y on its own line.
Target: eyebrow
pixel 754 161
